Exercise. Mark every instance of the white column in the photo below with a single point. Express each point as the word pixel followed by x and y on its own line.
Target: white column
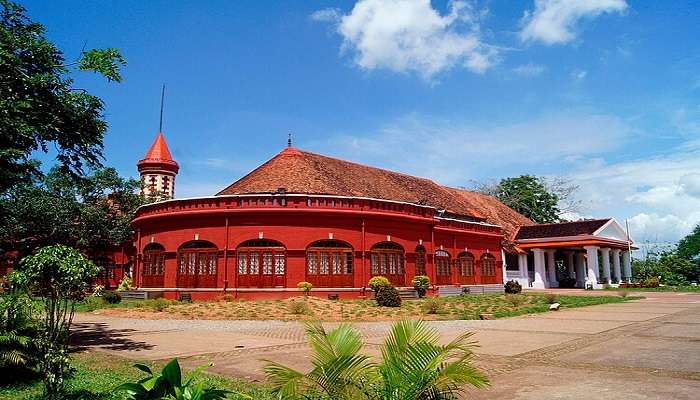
pixel 552 269
pixel 627 266
pixel 592 266
pixel 616 265
pixel 538 283
pixel 504 266
pixel 522 265
pixel 570 264
pixel 580 270
pixel 605 254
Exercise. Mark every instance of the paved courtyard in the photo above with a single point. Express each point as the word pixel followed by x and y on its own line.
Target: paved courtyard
pixel 646 349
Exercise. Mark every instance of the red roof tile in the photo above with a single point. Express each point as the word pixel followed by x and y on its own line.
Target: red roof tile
pixel 561 229
pixel 159 150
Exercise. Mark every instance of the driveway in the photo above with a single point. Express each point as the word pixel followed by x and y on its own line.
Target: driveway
pixel 646 349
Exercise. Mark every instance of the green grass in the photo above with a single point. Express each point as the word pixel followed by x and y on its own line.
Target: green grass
pixel 540 304
pixel 97 374
pixel 689 288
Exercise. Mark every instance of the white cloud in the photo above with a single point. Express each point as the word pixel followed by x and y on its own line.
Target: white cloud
pixel 529 69
pixel 555 21
pixel 326 15
pixel 412 36
pixel 579 74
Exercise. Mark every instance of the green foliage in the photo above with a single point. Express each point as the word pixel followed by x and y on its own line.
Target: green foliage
pixel 378 281
pixel 299 308
pixel 112 297
pixel 40 109
pixel 421 283
pixel 388 296
pixel 433 305
pixel 689 246
pixel 305 287
pixel 527 195
pixel 551 298
pixel 513 287
pixel 60 276
pixel 650 282
pixel 125 284
pixel 18 331
pixel 515 299
pixel 158 305
pixel 170 384
pixel 669 267
pixel 413 365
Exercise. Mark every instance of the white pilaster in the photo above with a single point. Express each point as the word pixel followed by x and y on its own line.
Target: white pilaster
pixel 627 266
pixel 538 283
pixel 552 269
pixel 605 254
pixel 570 264
pixel 522 265
pixel 592 266
pixel 616 265
pixel 580 270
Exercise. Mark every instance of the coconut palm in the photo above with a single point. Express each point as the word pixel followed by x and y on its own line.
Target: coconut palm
pixel 413 366
pixel 339 370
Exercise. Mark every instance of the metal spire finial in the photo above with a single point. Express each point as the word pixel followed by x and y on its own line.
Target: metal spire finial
pixel 162 100
pixel 289 140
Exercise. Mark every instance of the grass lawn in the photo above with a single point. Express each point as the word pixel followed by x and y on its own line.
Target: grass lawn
pixel 689 288
pixel 97 374
pixel 315 308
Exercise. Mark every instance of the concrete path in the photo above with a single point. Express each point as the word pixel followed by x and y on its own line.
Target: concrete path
pixel 646 349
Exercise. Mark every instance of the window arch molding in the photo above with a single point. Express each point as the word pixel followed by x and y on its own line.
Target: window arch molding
pixel 488 264
pixel 197 264
pixel 465 264
pixel 388 259
pixel 261 263
pixel 329 263
pixel 153 265
pixel 443 270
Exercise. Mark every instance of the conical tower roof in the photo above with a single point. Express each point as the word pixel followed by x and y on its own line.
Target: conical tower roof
pixel 158 156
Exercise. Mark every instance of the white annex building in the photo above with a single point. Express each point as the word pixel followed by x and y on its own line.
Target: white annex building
pixel 584 254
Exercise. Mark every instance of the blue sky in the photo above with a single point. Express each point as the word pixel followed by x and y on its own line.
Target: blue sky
pixel 604 92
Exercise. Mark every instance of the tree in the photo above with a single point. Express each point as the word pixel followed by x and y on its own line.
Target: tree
pixel 91 213
pixel 689 246
pixel 413 365
pixel 60 276
pixel 668 266
pixel 38 105
pixel 527 195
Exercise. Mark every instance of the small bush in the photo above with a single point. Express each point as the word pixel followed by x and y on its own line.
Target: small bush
pixel 433 305
pixel 378 282
pixel 228 298
pixel 125 284
pixel 513 287
pixel 551 298
pixel 388 296
pixel 299 308
pixel 421 283
pixel 156 304
pixel 515 299
pixel 650 282
pixel 112 297
pixel 305 287
pixel 623 293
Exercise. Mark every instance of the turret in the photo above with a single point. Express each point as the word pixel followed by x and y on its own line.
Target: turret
pixel 158 170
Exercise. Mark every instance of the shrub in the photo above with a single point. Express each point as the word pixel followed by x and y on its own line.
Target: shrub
pixel 650 282
pixel 299 308
pixel 156 304
pixel 515 299
pixel 111 297
pixel 227 298
pixel 305 287
pixel 421 283
pixel 125 284
pixel 513 287
pixel 388 296
pixel 97 291
pixel 433 305
pixel 551 298
pixel 377 282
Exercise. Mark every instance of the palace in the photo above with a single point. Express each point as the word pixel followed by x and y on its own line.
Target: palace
pixel 302 216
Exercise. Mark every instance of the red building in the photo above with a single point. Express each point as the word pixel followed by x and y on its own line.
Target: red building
pixel 306 217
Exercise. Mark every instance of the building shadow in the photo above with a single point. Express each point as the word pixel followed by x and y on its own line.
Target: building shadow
pixel 86 335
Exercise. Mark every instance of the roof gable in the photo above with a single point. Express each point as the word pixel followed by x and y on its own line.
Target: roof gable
pixel 561 229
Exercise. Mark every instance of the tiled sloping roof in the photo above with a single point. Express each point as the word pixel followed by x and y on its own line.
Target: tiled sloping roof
pixel 303 172
pixel 159 151
pixel 495 212
pixel 585 227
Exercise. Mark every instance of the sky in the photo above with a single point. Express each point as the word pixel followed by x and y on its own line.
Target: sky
pixel 605 93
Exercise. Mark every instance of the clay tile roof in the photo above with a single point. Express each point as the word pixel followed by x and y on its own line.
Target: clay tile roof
pixel 159 150
pixel 303 172
pixel 575 228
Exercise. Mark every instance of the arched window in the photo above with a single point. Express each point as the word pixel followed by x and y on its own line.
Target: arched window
pixel 387 259
pixel 442 268
pixel 107 274
pixel 420 261
pixel 329 264
pixel 261 263
pixel 153 265
pixel 197 264
pixel 488 265
pixel 465 268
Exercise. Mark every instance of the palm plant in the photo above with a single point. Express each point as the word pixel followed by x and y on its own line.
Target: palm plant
pixel 413 366
pixel 16 350
pixel 339 368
